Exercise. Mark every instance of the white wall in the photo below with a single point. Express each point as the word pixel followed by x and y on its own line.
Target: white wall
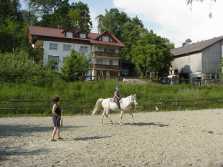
pixel 212 58
pixel 194 61
pixel 60 52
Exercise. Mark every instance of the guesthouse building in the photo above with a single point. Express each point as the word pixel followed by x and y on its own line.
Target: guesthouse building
pixel 101 48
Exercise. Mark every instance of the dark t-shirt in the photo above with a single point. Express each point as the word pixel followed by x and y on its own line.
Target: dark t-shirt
pixel 58 110
pixel 117 95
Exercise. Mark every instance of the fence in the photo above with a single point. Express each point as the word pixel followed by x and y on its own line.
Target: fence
pixel 43 107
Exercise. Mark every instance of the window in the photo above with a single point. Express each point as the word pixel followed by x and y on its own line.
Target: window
pixel 115 62
pixel 69 34
pixel 100 49
pixel 66 47
pixel 82 35
pixel 110 50
pixel 105 38
pixel 110 62
pixel 83 49
pixel 53 61
pixel 53 46
pixel 99 61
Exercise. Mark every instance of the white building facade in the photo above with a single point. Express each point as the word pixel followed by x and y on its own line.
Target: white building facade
pixel 203 59
pixel 58 51
pixel 101 49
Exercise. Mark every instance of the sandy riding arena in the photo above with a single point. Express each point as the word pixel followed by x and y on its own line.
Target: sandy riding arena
pixel 159 139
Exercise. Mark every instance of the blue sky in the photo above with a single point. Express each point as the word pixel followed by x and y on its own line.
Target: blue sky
pixel 172 19
pixel 99 6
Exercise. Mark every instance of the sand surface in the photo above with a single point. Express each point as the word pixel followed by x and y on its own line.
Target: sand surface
pixel 167 139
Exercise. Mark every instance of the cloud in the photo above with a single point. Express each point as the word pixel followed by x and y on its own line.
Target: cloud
pixel 175 20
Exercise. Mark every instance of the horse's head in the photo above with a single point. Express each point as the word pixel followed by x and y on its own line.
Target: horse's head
pixel 133 99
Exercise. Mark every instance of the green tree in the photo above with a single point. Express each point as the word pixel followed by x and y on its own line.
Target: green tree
pixel 9 10
pixel 75 15
pixel 79 15
pixel 12 26
pixel 152 54
pixel 58 17
pixel 127 29
pixel 131 33
pixel 18 67
pixel 75 67
pixel 44 7
pixel 147 51
pixel 112 21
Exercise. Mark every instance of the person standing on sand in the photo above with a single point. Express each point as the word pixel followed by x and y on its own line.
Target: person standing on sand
pixel 56 117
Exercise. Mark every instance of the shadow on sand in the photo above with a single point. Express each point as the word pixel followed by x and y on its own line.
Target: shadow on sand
pixel 24 130
pixel 91 138
pixel 147 124
pixel 18 151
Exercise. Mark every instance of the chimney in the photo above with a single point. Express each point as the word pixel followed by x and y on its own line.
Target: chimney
pixel 187 42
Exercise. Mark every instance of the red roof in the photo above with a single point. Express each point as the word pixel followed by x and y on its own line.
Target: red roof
pixel 92 38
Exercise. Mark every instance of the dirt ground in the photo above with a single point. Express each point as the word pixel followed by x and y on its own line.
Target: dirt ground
pixel 167 139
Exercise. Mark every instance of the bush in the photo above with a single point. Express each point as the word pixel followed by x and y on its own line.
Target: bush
pixel 80 97
pixel 17 67
pixel 75 67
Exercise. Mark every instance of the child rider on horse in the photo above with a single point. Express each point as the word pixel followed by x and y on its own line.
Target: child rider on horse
pixel 117 97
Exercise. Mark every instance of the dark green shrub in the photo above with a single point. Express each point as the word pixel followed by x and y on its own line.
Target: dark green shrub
pixel 75 67
pixel 17 67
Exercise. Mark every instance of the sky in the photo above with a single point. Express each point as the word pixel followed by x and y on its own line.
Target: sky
pixel 172 19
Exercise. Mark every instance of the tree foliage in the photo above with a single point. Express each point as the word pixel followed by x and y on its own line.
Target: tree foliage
pixel 138 49
pixel 75 67
pixel 112 21
pixel 44 7
pixel 189 2
pixel 152 54
pixel 146 50
pixel 12 26
pixel 65 15
pixel 17 67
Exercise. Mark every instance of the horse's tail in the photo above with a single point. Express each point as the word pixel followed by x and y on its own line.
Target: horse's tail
pixel 98 106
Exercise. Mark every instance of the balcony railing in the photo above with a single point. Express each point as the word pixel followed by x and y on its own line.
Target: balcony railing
pixel 104 66
pixel 106 54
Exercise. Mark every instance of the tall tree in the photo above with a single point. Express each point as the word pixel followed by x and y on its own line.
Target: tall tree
pixel 131 33
pixel 112 21
pixel 127 29
pixel 58 17
pixel 12 27
pixel 79 15
pixel 147 51
pixel 75 67
pixel 152 54
pixel 9 9
pixel 75 15
pixel 43 7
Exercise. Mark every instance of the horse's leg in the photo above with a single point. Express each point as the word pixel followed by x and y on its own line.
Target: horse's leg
pixel 121 115
pixel 109 116
pixel 103 114
pixel 132 116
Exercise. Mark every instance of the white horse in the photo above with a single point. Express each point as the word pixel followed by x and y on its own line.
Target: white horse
pixel 127 104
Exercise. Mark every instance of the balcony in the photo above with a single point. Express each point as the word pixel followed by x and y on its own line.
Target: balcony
pixel 106 54
pixel 106 67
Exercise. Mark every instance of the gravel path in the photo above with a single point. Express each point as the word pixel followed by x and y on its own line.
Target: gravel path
pixel 158 139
